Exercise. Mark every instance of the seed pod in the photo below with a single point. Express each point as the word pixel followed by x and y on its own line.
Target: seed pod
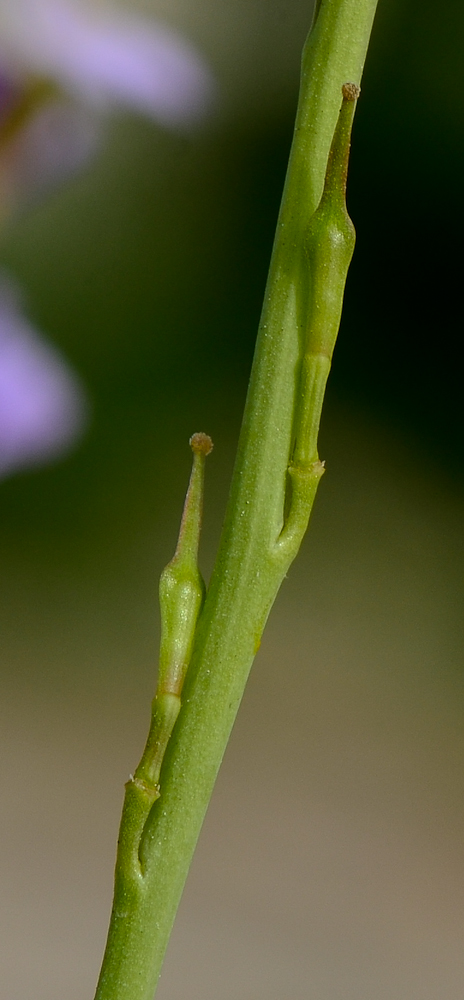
pixel 182 593
pixel 328 249
pixel 182 588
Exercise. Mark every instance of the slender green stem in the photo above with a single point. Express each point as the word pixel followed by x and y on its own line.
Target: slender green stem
pixel 274 484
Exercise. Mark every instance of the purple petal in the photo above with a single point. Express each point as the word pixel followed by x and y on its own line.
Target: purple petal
pixel 56 142
pixel 42 406
pixel 8 94
pixel 108 56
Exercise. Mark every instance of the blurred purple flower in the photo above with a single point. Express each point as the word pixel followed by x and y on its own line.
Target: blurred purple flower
pixel 65 62
pixel 62 63
pixel 42 404
pixel 52 145
pixel 106 55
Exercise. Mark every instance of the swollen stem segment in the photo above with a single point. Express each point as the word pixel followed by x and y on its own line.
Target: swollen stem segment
pixel 327 251
pixel 326 254
pixel 181 592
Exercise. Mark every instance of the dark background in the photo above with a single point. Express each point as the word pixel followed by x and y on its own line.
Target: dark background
pixel 331 861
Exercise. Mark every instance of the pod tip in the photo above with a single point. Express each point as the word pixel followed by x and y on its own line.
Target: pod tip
pixel 201 443
pixel 351 91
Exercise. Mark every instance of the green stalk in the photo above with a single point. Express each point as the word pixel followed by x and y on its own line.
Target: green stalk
pixel 275 480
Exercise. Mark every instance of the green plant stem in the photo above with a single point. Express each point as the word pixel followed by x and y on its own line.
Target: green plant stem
pixel 258 542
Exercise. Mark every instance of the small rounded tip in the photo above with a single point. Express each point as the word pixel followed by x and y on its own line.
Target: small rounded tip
pixel 351 91
pixel 201 443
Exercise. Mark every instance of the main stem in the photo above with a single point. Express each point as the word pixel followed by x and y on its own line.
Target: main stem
pixel 254 553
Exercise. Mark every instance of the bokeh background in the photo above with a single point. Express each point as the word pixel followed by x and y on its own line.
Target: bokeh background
pixel 331 862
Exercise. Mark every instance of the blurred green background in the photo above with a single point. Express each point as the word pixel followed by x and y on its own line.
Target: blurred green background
pixel 331 861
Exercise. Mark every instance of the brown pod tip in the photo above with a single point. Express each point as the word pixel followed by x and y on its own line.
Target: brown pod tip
pixel 201 443
pixel 351 91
